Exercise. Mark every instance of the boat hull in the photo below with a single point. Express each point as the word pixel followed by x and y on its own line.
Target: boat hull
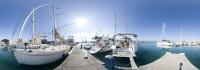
pixel 2 46
pixel 165 44
pixel 126 51
pixel 96 49
pixel 38 56
pixel 37 60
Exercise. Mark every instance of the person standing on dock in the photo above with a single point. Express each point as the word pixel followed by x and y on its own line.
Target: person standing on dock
pixel 181 64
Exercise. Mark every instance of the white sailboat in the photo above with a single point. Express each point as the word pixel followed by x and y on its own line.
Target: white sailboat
pixel 102 44
pixel 180 42
pixel 125 45
pixel 36 53
pixel 163 42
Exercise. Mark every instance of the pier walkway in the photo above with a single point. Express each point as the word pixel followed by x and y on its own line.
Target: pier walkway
pixel 170 61
pixel 130 56
pixel 77 61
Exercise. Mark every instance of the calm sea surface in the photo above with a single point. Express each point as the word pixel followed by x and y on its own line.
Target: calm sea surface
pixel 149 52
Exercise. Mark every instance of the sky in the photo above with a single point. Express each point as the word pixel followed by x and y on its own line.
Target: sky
pixel 144 18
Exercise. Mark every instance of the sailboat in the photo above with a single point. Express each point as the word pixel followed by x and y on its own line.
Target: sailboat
pixel 163 42
pixel 102 44
pixel 36 53
pixel 125 44
pixel 180 42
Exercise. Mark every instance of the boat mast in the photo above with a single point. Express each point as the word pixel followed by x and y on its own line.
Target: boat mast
pixel 163 31
pixel 181 39
pixel 28 16
pixel 54 21
pixel 126 28
pixel 115 23
pixel 115 26
pixel 33 26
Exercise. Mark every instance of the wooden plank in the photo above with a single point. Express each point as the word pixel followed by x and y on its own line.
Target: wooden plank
pixel 170 61
pixel 76 61
pixel 133 64
pixel 130 56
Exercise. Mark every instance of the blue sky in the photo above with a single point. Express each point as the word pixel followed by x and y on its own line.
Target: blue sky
pixel 144 17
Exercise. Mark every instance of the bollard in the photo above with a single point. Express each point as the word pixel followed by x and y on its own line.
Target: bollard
pixel 109 62
pixel 85 56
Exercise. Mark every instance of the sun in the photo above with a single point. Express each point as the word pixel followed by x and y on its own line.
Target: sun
pixel 81 21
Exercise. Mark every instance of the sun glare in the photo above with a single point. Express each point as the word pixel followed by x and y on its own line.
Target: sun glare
pixel 81 21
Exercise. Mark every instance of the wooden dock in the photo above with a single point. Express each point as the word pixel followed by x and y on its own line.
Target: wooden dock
pixel 130 56
pixel 76 61
pixel 170 61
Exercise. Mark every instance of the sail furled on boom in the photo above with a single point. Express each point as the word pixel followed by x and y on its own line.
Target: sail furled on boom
pixel 57 34
pixel 57 37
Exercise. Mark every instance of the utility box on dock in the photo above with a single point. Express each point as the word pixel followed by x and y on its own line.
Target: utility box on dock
pixel 109 62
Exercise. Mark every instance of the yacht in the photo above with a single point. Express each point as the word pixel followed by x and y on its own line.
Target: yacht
pixel 163 42
pixel 125 45
pixel 102 44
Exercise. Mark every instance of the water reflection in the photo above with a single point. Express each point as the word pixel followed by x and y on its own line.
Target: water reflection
pixel 148 52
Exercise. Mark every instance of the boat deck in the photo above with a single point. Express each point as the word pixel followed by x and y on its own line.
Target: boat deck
pixel 76 61
pixel 170 61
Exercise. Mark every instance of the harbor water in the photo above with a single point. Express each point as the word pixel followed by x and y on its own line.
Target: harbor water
pixel 147 52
